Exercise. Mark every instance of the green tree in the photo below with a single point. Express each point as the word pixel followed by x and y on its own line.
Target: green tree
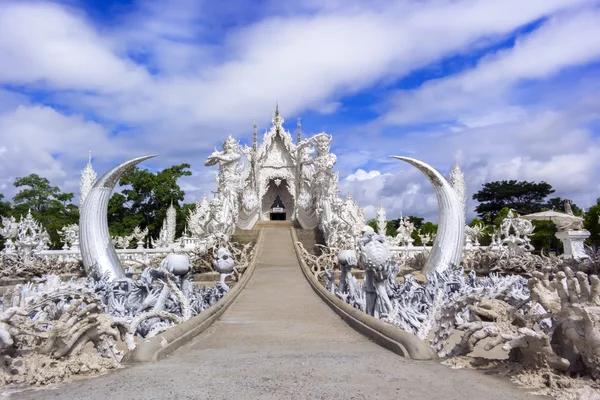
pixel 524 197
pixel 5 207
pixel 145 199
pixel 591 222
pixel 51 207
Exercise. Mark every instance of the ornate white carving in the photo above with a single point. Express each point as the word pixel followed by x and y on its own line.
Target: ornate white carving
pixel 573 243
pixel 403 233
pixel 473 233
pixel 514 234
pixel 381 220
pixel 139 235
pixel 171 223
pixel 70 235
pixel 88 179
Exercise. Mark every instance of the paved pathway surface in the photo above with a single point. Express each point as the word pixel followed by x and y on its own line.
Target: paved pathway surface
pixel 279 340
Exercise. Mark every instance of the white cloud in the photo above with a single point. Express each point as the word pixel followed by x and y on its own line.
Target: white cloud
pixel 479 96
pixel 160 81
pixel 43 43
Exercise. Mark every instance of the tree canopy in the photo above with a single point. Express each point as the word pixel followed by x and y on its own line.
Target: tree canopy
pixel 524 197
pixel 145 199
pixel 51 207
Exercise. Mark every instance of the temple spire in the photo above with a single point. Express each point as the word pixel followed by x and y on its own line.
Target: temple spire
pixel 254 136
pixel 87 181
pixel 298 131
pixel 277 120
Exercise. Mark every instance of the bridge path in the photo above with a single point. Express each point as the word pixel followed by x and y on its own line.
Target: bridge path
pixel 279 340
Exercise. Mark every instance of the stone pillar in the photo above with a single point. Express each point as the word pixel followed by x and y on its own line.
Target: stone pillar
pixel 573 243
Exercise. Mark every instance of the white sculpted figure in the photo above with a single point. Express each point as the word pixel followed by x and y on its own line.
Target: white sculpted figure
pixel 224 264
pixel 376 260
pixel 229 178
pixel 323 162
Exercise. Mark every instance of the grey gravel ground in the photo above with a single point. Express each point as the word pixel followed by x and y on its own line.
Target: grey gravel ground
pixel 280 341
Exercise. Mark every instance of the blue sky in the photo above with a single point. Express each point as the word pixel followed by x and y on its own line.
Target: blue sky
pixel 507 89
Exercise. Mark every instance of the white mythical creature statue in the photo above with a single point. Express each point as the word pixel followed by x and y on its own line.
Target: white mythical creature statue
pixel 317 184
pixel 348 260
pixel 224 264
pixel 10 229
pixel 229 177
pixel 376 260
pixel 198 218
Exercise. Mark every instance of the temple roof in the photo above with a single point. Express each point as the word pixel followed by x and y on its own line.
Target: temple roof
pixel 276 133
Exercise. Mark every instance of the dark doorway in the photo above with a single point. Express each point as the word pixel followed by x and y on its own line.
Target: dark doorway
pixel 278 216
pixel 278 210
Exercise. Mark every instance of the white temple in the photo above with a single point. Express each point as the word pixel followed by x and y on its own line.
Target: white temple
pixel 282 180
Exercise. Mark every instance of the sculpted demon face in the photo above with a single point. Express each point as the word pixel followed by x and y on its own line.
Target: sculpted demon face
pixel 230 144
pixel 323 144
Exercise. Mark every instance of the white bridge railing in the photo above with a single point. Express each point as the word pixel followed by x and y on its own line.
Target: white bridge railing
pixel 141 255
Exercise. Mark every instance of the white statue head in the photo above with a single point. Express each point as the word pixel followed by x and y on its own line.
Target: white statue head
pixel 230 144
pixel 323 143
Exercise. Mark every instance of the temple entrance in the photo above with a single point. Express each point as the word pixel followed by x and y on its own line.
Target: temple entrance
pixel 277 210
pixel 277 203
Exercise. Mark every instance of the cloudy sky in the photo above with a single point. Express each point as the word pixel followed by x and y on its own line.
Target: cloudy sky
pixel 509 89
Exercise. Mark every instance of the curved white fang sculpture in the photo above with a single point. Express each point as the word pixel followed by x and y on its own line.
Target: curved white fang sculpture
pixel 449 241
pixel 97 252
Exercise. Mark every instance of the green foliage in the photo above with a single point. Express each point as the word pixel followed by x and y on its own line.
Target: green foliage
pixel 524 197
pixel 592 224
pixel 5 207
pixel 503 213
pixel 543 236
pixel 390 228
pixel 145 200
pixel 52 208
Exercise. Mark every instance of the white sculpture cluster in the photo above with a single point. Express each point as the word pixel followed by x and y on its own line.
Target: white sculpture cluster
pixel 23 238
pixel 513 235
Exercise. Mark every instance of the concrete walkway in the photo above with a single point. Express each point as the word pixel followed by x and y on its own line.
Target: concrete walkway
pixel 280 341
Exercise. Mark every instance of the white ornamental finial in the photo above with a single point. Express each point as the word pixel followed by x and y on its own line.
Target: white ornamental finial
pixel 381 220
pixel 277 118
pixel 88 179
pixel 171 223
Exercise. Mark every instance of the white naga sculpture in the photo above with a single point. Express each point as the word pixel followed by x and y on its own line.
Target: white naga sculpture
pixel 449 241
